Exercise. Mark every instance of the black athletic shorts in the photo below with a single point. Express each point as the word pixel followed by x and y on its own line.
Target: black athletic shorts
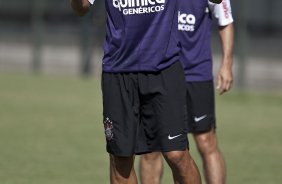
pixel 145 112
pixel 200 106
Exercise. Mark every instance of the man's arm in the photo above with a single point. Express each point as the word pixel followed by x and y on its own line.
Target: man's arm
pixel 80 7
pixel 223 13
pixel 225 76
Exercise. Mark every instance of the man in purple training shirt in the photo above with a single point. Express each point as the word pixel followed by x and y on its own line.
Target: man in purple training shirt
pixel 144 108
pixel 194 26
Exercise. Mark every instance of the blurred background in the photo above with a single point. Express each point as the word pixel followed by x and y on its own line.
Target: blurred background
pixel 45 37
pixel 50 98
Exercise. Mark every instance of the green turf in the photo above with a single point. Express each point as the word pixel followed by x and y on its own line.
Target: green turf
pixel 51 132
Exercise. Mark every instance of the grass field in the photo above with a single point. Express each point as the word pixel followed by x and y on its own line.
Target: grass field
pixel 51 133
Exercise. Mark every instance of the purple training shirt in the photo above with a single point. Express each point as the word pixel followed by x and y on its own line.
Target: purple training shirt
pixel 140 35
pixel 194 26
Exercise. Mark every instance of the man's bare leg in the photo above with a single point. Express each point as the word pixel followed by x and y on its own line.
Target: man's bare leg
pixel 184 169
pixel 213 161
pixel 151 168
pixel 122 170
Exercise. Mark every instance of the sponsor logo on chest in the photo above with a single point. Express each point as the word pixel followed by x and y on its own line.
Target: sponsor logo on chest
pixel 186 22
pixel 132 7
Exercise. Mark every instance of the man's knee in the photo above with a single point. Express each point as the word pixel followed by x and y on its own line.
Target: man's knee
pixel 154 156
pixel 177 158
pixel 151 161
pixel 206 142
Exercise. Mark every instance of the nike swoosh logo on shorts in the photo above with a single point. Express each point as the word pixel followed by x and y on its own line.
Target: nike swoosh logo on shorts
pixel 173 137
pixel 197 119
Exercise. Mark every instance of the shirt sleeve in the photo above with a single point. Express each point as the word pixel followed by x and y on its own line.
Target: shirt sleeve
pixel 222 12
pixel 91 1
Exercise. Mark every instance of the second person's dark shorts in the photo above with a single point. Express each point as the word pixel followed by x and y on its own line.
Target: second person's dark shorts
pixel 200 106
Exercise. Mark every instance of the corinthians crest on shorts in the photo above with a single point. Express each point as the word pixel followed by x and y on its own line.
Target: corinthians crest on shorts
pixel 108 125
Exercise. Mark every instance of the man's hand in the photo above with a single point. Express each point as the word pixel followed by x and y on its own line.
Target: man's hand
pixel 80 7
pixel 224 77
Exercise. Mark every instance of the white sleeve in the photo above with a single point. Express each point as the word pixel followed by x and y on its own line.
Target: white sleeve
pixel 91 1
pixel 222 12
